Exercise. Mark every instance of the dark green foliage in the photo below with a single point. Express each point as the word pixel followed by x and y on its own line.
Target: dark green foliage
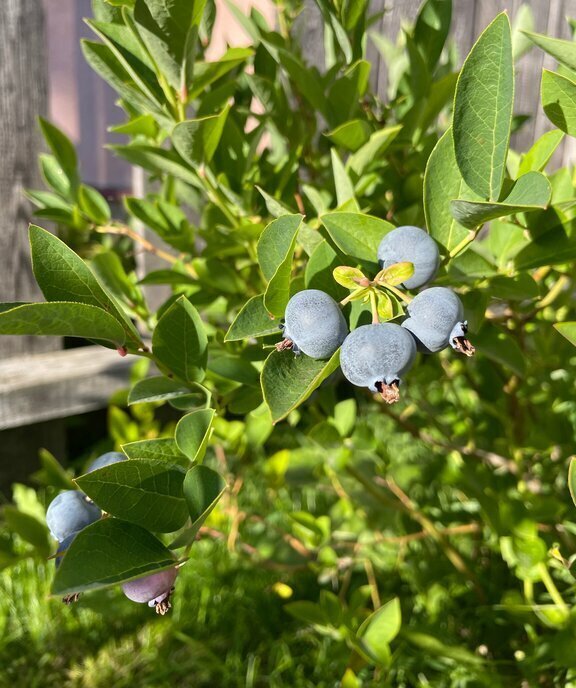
pixel 326 538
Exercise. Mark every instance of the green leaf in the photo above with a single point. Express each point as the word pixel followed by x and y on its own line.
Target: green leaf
pixel 47 199
pixel 306 611
pixel 54 175
pixel 275 251
pixel 562 51
pixel 63 150
pixel 173 277
pixel 127 48
pixel 166 219
pixel 384 306
pixel 157 160
pixel 288 380
pixel 342 182
pixel 252 321
pixel 355 234
pixel 372 150
pixel 29 528
pixel 380 628
pixel 431 646
pixel 179 341
pixel 348 277
pixel 156 389
pixel 203 487
pixel 141 491
pixel 557 245
pixel 501 348
pixel 542 150
pixel 395 274
pixel 162 449
pixel 483 110
pixel 54 472
pixel 197 139
pixel 142 125
pixel 559 101
pixel 109 552
pixel 275 207
pixel 431 29
pixel 443 183
pixel 103 61
pixel 94 205
pixel 517 288
pixel 568 330
pixel 572 478
pixel 193 432
pixel 319 270
pixel 108 268
pixel 530 192
pixel 64 276
pixel 206 73
pixel 61 319
pixel 351 135
pixel 164 28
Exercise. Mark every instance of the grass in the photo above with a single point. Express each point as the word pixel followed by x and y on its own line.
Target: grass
pixel 227 628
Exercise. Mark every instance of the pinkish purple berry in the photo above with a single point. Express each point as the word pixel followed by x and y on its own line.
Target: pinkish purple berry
pixel 154 589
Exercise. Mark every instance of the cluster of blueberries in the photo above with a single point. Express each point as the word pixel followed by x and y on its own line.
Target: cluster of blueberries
pixel 378 355
pixel 71 511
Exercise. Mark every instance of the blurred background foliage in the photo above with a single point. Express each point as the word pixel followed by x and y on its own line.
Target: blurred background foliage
pixel 450 511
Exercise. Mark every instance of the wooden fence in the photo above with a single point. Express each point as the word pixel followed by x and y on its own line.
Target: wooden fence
pixel 38 380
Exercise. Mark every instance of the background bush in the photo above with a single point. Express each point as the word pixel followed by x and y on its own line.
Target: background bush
pixel 355 544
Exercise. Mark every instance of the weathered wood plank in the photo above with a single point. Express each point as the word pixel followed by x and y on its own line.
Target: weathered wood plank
pixel 59 384
pixel 23 96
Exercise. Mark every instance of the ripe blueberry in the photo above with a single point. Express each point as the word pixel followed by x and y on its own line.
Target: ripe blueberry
pixel 69 512
pixel 313 324
pixel 106 459
pixel 415 246
pixel 154 589
pixel 376 356
pixel 436 319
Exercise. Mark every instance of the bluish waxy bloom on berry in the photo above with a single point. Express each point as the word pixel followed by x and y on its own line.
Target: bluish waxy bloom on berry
pixel 62 547
pixel 106 459
pixel 377 356
pixel 413 245
pixel 154 589
pixel 69 512
pixel 313 324
pixel 436 320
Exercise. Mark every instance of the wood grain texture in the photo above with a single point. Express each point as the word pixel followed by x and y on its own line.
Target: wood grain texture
pixel 23 96
pixel 469 19
pixel 59 384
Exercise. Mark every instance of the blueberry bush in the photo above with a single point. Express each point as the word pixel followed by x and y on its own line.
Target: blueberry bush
pixel 300 406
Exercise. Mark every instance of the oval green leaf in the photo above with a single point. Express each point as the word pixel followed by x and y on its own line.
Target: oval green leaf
pixel 109 552
pixel 193 432
pixel 288 380
pixel 142 491
pixel 62 320
pixel 483 110
pixel 180 343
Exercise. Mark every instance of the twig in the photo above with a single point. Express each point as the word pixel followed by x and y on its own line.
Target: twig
pixel 123 230
pixel 490 457
pixel 371 576
pixel 451 554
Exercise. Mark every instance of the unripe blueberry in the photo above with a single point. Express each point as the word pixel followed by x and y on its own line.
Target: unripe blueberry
pixel 106 459
pixel 154 589
pixel 377 356
pixel 69 512
pixel 313 324
pixel 436 320
pixel 413 245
